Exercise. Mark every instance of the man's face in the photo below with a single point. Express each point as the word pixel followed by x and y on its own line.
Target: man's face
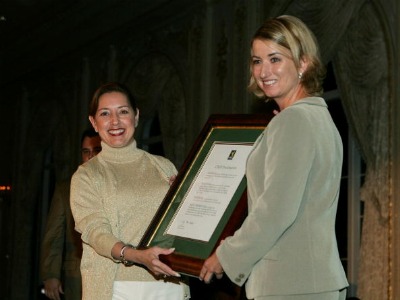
pixel 91 146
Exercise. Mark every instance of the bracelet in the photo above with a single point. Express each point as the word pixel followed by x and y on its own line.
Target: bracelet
pixel 122 259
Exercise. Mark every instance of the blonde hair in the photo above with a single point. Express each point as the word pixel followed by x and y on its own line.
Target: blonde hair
pixel 292 34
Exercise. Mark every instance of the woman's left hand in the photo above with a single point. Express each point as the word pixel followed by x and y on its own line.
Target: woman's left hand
pixel 172 179
pixel 150 258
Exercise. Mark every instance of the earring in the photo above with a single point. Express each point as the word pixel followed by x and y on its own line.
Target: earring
pixel 300 75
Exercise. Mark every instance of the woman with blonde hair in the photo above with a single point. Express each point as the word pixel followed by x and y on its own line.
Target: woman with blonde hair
pixel 286 249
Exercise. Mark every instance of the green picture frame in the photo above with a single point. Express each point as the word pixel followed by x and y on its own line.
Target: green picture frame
pixel 190 254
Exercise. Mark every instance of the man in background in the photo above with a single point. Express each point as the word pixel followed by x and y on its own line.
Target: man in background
pixel 61 249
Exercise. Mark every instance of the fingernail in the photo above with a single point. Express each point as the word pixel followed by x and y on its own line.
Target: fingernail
pixel 177 275
pixel 173 249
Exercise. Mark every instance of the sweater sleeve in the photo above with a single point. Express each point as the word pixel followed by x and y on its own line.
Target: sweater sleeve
pixel 165 166
pixel 89 216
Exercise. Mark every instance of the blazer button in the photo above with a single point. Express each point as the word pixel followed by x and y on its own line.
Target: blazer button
pixel 237 279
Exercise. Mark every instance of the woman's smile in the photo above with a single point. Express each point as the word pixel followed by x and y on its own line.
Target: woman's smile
pixel 116 132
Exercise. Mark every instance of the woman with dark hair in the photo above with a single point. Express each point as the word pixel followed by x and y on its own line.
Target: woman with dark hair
pixel 113 199
pixel 286 249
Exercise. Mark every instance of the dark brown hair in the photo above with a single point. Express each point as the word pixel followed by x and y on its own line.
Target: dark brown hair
pixel 109 88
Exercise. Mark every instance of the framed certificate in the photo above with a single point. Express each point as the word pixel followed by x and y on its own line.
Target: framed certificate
pixel 207 202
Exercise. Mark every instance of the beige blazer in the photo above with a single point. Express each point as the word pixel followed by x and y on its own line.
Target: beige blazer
pixel 287 244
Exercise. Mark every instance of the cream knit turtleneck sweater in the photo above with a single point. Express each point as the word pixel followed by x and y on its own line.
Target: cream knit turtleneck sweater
pixel 113 198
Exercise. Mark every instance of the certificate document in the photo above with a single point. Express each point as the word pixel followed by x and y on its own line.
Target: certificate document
pixel 209 194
